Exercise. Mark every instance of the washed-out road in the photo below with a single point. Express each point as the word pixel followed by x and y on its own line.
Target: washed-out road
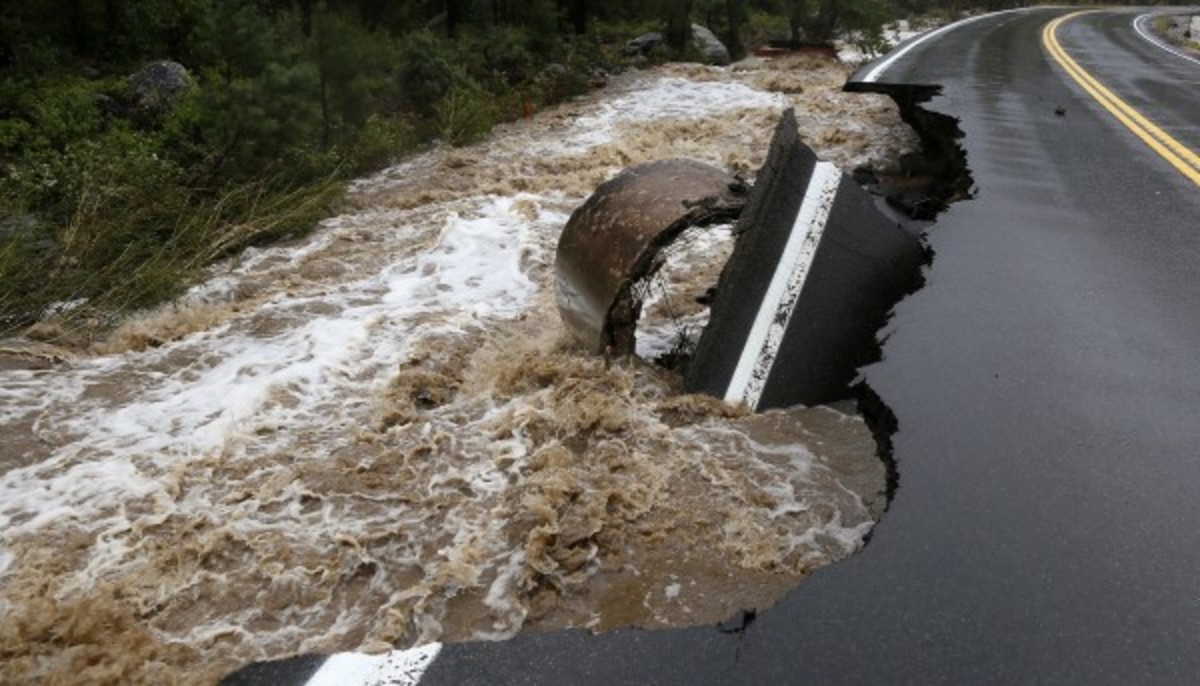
pixel 1046 385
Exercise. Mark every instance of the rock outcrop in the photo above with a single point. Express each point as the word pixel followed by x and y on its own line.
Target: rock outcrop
pixel 644 44
pixel 159 85
pixel 707 42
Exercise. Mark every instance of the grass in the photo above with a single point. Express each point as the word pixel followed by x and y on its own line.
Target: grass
pixel 111 258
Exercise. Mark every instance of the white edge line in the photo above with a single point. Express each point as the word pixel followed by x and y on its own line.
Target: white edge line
pixel 399 668
pixel 788 279
pixel 878 69
pixel 1137 26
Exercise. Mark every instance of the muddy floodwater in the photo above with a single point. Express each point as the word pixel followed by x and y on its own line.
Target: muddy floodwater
pixel 381 436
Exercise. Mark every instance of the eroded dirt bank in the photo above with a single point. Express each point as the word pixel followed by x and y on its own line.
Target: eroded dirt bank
pixel 381 436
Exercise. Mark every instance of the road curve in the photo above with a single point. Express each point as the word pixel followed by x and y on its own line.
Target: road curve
pixel 1046 383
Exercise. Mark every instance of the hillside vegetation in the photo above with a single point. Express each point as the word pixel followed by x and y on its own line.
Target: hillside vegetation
pixel 116 194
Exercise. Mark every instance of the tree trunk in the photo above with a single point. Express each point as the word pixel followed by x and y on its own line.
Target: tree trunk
pixel 322 75
pixel 735 16
pixel 579 16
pixel 679 24
pixel 114 25
pixel 454 17
pixel 827 19
pixel 371 13
pixel 306 17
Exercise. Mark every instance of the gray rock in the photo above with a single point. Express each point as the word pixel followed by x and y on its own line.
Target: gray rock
pixel 159 84
pixel 713 49
pixel 644 44
pixel 1182 29
pixel 1176 29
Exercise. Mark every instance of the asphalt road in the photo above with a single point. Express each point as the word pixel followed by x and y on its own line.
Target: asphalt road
pixel 1046 382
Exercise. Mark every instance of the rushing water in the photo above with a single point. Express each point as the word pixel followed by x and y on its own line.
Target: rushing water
pixel 379 435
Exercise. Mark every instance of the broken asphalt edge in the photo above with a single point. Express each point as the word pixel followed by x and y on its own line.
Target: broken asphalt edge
pixel 474 661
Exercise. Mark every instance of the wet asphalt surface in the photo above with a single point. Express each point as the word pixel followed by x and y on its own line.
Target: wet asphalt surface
pixel 1046 382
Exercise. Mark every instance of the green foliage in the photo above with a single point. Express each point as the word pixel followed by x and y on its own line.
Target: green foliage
pixel 509 56
pixel 254 124
pixel 764 26
pixel 48 114
pixel 138 242
pixel 428 71
pixel 677 22
pixel 822 20
pixel 353 66
pixel 464 115
pixel 236 40
pixel 382 139
pixel 117 205
pixel 726 18
pixel 864 20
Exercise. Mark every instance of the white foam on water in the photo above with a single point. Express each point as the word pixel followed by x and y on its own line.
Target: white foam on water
pixel 476 269
pixel 240 483
pixel 665 97
pixel 669 309
pixel 231 384
pixel 396 668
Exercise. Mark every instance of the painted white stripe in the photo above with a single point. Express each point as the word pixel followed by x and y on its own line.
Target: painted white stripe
pixel 775 311
pixel 1139 26
pixel 397 668
pixel 873 75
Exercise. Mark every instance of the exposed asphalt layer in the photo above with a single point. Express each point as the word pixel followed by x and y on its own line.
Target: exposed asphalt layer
pixel 1046 382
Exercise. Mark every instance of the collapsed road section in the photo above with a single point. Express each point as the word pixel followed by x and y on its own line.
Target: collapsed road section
pixel 808 239
pixel 815 270
pixel 814 273
pixel 1044 381
pixel 818 264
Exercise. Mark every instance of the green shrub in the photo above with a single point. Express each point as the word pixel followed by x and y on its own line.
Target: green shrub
pixel 761 27
pixel 239 129
pixel 382 139
pixel 427 73
pixel 354 68
pixel 464 116
pixel 507 57
pixel 49 114
pixel 863 20
pixel 116 207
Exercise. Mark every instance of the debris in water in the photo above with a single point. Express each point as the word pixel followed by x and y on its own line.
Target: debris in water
pixel 378 435
pixel 614 239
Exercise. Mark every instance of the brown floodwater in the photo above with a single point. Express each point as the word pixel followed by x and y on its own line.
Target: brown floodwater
pixel 380 435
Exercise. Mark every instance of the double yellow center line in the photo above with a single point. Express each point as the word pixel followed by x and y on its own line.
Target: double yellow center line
pixel 1171 150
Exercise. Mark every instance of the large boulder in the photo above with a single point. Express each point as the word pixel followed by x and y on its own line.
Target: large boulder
pixel 1182 29
pixel 707 42
pixel 643 45
pixel 159 85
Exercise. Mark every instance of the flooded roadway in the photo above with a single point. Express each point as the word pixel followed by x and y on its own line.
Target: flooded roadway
pixel 380 435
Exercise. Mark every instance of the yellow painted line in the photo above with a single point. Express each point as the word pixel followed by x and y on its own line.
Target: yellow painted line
pixel 1171 150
